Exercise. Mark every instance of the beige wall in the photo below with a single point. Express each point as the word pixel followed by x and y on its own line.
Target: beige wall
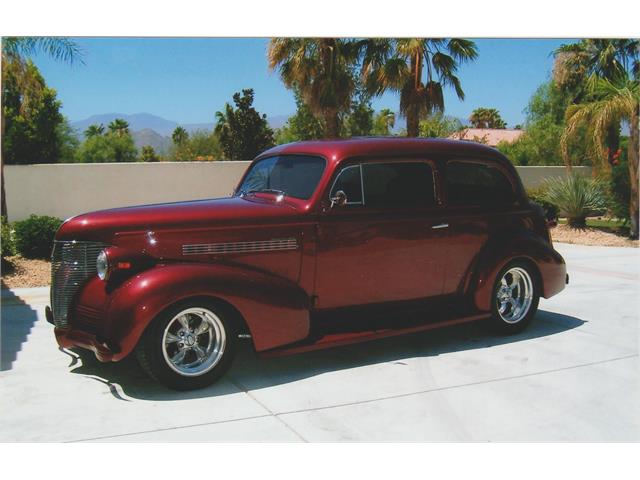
pixel 534 176
pixel 65 190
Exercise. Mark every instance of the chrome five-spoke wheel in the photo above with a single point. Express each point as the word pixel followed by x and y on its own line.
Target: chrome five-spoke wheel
pixel 194 341
pixel 514 295
pixel 190 344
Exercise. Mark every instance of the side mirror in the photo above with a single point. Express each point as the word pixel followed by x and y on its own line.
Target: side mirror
pixel 339 199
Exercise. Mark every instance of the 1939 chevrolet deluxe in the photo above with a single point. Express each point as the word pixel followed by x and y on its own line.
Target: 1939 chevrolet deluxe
pixel 322 243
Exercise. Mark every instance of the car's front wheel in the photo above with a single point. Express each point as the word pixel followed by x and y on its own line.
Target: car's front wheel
pixel 516 293
pixel 189 345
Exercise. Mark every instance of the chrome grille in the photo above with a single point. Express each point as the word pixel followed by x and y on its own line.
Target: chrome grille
pixel 241 247
pixel 72 263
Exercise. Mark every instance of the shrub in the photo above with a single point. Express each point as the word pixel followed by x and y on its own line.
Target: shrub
pixel 577 197
pixel 537 194
pixel 34 236
pixel 619 187
pixel 7 243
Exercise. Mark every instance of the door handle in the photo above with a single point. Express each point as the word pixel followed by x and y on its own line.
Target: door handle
pixel 440 225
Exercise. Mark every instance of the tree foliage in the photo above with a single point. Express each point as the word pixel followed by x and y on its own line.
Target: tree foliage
pixel 242 131
pixel 303 125
pixel 179 136
pixel 544 124
pixel 383 122
pixel 487 118
pixel 200 145
pixel 148 154
pixel 438 125
pixel 609 102
pixel 116 145
pixel 30 123
pixel 359 120
pixel 419 69
pixel 322 71
pixel 606 59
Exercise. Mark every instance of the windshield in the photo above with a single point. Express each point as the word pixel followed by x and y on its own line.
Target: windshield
pixel 292 175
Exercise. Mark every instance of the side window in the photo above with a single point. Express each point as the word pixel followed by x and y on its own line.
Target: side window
pixel 477 184
pixel 398 185
pixel 349 180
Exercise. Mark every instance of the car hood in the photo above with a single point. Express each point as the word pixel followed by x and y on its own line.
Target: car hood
pixel 103 225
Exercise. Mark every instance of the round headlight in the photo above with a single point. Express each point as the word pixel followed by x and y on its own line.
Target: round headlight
pixel 102 265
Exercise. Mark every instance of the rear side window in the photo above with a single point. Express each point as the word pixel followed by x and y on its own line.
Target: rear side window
pixel 398 185
pixel 477 184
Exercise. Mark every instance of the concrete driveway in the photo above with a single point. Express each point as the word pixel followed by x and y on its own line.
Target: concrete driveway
pixel 572 376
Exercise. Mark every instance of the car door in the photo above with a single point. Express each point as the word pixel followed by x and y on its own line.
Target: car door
pixel 479 199
pixel 386 242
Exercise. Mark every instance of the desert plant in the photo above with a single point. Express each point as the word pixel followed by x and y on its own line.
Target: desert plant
pixel 537 195
pixel 7 242
pixel 576 197
pixel 34 236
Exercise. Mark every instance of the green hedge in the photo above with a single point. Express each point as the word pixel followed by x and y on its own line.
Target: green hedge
pixel 34 236
pixel 7 241
pixel 537 194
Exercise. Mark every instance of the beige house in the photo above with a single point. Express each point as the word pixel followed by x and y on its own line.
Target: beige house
pixel 488 136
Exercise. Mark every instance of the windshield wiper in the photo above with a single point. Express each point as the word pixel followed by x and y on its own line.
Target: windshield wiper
pixel 264 190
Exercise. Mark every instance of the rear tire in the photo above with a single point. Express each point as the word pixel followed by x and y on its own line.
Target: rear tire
pixel 514 299
pixel 189 345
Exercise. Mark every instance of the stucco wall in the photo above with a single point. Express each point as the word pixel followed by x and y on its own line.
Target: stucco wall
pixel 64 190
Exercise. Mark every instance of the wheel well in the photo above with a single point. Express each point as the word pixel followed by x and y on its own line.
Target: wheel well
pixel 534 269
pixel 230 308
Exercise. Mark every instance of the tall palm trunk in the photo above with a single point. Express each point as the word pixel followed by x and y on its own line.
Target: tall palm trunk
pixel 413 110
pixel 634 137
pixel 413 122
pixel 4 199
pixel 331 124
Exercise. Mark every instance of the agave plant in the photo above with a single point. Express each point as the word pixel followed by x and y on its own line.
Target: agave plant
pixel 576 196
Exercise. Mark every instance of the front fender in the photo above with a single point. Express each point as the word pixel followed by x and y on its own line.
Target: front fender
pixel 275 310
pixel 496 254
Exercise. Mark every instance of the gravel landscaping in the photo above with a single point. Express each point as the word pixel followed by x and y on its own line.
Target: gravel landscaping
pixel 20 272
pixel 590 236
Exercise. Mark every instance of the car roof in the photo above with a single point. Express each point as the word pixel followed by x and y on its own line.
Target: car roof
pixel 337 150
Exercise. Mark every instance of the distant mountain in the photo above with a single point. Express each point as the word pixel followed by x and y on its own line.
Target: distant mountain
pixel 162 126
pixel 137 121
pixel 147 136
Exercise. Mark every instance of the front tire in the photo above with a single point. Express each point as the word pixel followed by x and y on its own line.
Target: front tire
pixel 515 298
pixel 189 345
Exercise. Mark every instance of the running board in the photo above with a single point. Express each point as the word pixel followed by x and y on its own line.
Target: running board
pixel 338 340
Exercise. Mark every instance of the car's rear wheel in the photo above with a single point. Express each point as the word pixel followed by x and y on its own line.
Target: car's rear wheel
pixel 190 345
pixel 516 293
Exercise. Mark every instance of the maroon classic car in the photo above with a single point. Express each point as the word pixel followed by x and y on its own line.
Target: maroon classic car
pixel 323 243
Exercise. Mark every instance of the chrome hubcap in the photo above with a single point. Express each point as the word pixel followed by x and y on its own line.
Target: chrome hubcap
pixel 514 295
pixel 193 342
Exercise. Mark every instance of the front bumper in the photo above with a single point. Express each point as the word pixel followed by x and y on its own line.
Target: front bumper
pixel 69 338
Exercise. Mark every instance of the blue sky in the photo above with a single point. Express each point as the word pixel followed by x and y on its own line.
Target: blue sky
pixel 188 79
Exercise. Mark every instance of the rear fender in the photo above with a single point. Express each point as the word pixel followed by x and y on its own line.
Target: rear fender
pixel 275 310
pixel 549 266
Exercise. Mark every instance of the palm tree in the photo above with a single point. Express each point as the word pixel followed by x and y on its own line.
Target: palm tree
pixel 119 127
pixel 384 121
pixel 401 64
pixel 179 136
pixel 609 102
pixel 94 130
pixel 15 51
pixel 487 118
pixel 321 70
pixel 575 63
